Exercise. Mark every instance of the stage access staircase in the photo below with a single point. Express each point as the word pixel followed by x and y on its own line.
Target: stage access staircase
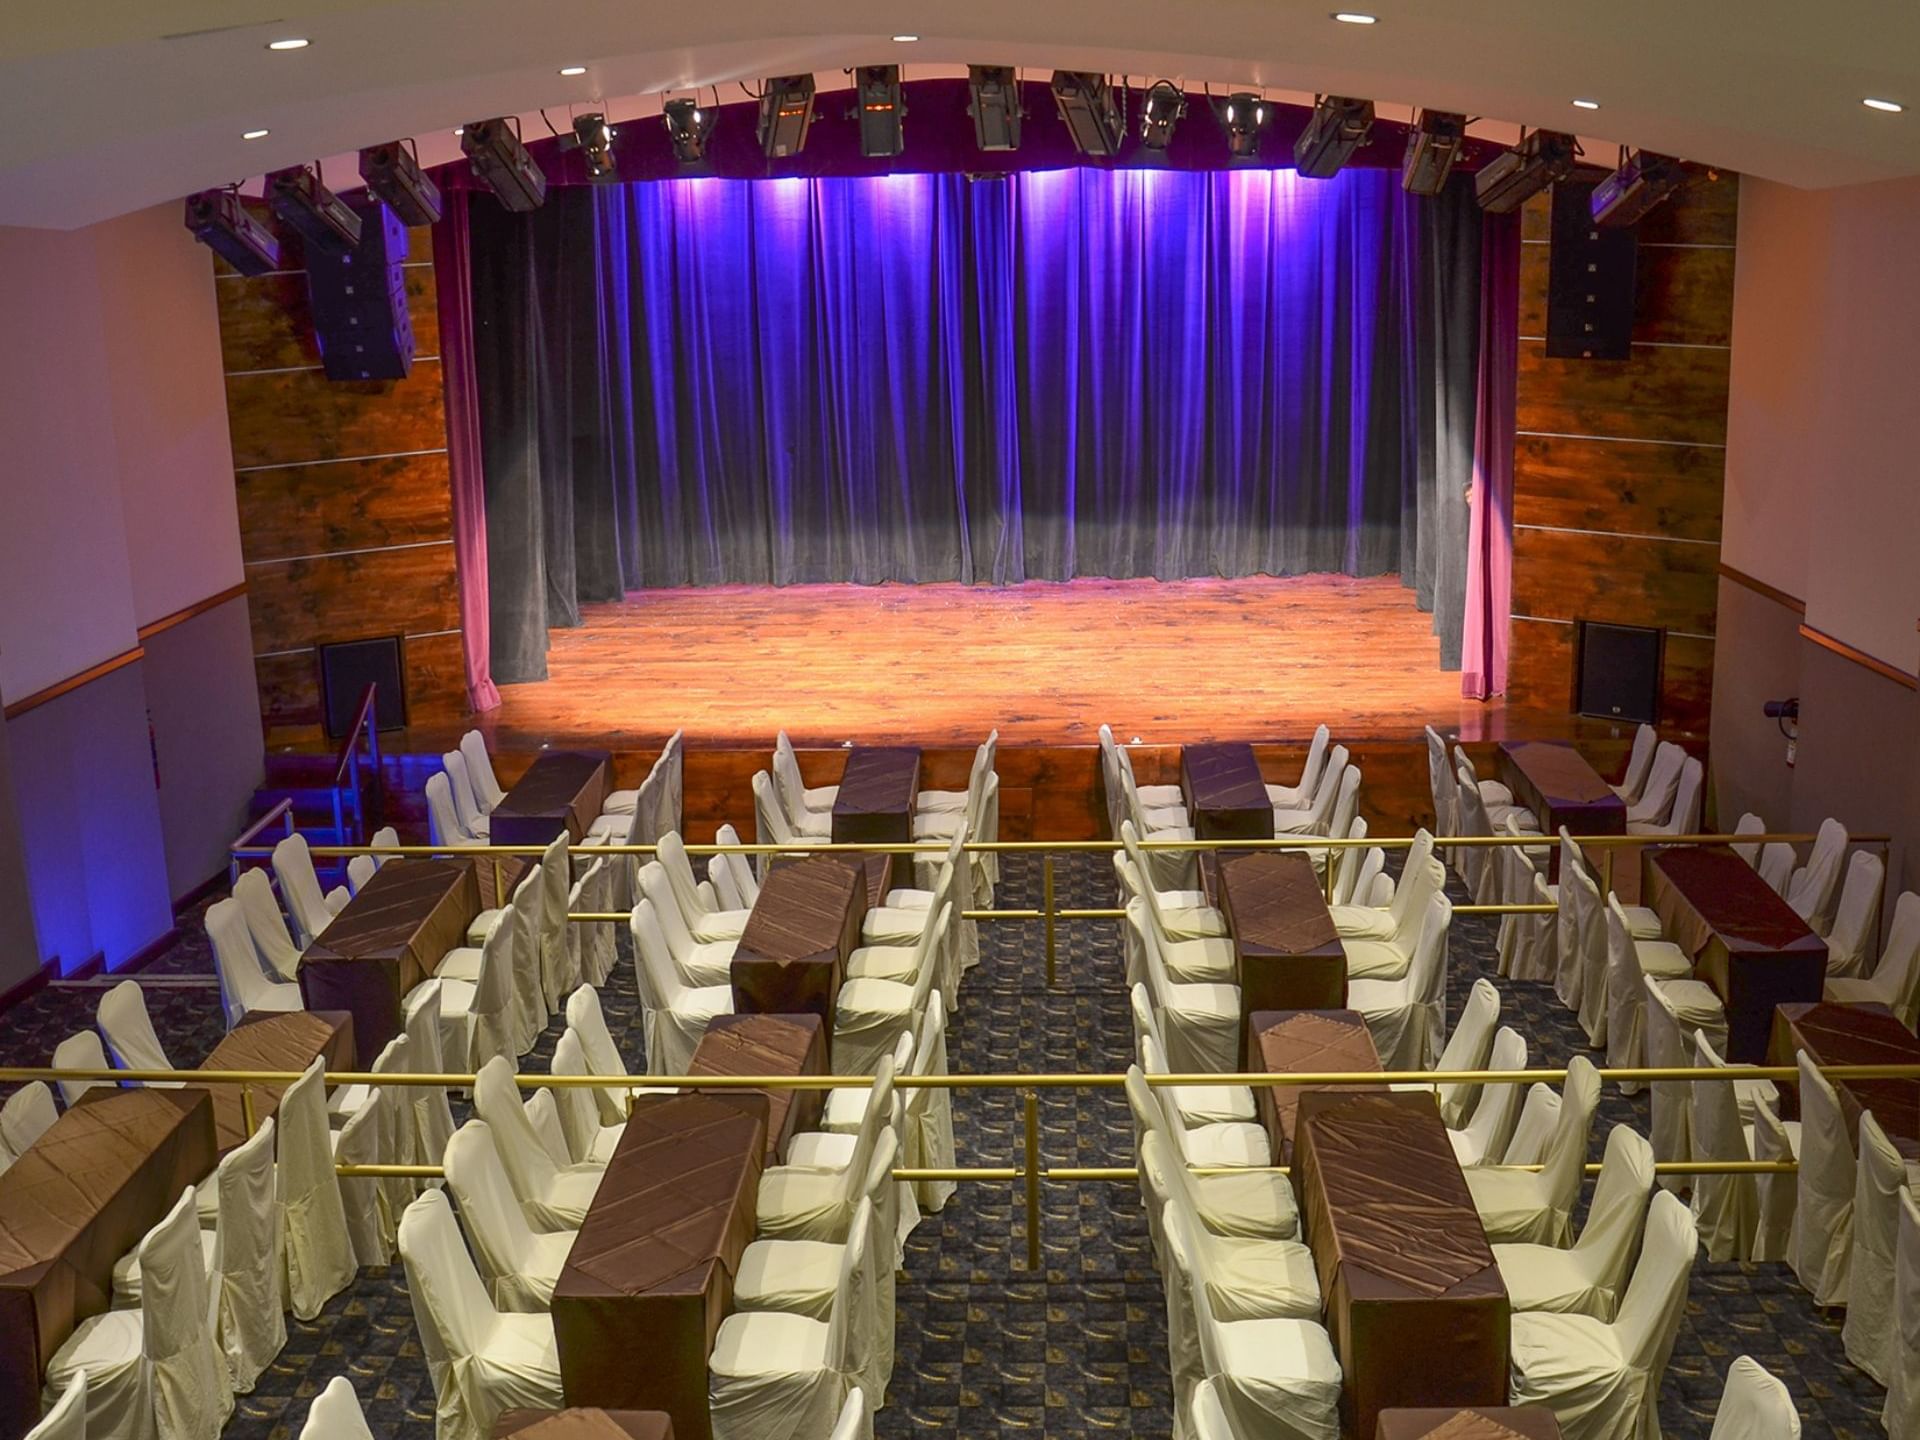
pixel 337 799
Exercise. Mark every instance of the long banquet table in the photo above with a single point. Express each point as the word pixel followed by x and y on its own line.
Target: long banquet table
pixel 1474 1422
pixel 583 1424
pixel 271 1041
pixel 769 1045
pixel 1285 946
pixel 877 792
pixel 1304 1042
pixel 1224 793
pixel 562 790
pixel 1833 1034
pixel 1744 940
pixel 793 952
pixel 1554 781
pixel 1415 1304
pixel 650 1275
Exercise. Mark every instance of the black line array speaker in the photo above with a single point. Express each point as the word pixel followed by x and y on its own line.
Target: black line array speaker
pixel 348 668
pixel 360 300
pixel 1616 671
pixel 1590 275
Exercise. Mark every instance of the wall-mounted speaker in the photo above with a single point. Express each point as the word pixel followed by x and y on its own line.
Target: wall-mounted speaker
pixel 347 669
pixel 1590 276
pixel 359 300
pixel 1616 671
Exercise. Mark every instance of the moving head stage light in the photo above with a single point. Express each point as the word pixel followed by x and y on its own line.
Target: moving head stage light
pixel 994 106
pixel 876 90
pixel 1643 180
pixel 1339 127
pixel 786 114
pixel 225 226
pixel 301 200
pixel 392 171
pixel 502 164
pixel 1432 147
pixel 1091 111
pixel 1514 178
pixel 689 127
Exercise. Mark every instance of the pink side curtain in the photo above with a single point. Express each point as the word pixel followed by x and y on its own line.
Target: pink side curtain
pixel 1489 611
pixel 454 291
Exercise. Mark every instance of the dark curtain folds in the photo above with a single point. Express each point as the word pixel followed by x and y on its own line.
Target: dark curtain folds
pixel 927 377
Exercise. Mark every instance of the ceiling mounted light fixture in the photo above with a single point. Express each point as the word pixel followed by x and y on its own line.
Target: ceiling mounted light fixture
pixel 572 70
pixel 1888 107
pixel 1355 17
pixel 254 134
pixel 292 42
pixel 1586 104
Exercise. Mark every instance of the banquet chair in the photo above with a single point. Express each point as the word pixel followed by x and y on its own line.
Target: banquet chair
pixel 250 1322
pixel 336 1414
pixel 856 1419
pixel 1777 862
pixel 956 801
pixel 1182 914
pixel 1495 795
pixel 592 951
pixel 544 1116
pixel 1537 1206
pixel 703 917
pixel 27 1115
pixel 1191 1104
pixel 1901 1415
pixel 927 1115
pixel 675 1014
pixel 1208 1142
pixel 1467 1048
pixel 312 910
pixel 1688 798
pixel 362 1199
pixel 155 1371
pixel 319 1251
pixel 1630 964
pixel 1258 1202
pixel 1572 932
pixel 1188 957
pixel 444 830
pixel 587 1139
pixel 480 1360
pixel 1346 809
pixel 1481 867
pixel 67 1419
pixel 907 940
pixel 891 923
pixel 1592 929
pixel 1585 1278
pixel 796 798
pixel 666 768
pixel 979 819
pixel 1895 981
pixel 1820 1249
pixel 1725 1207
pixel 1421 875
pixel 551 1196
pixel 1871 1322
pixel 487 792
pixel 1359 876
pixel 1538 957
pixel 1754 1405
pixel 1292 797
pixel 733 879
pixel 1602 1380
pixel 1201 1021
pixel 700 962
pixel 520 1268
pixel 589 1023
pixel 1812 889
pixel 266 926
pixel 771 826
pixel 1655 804
pixel 1777 1195
pixel 773 1373
pixel 1154 797
pixel 79 1051
pixel 385 836
pixel 360 869
pixel 1676 1011
pixel 1516 946
pixel 1539 1118
pixel 244 986
pixel 559 954
pixel 1387 954
pixel 1483 1140
pixel 816 1201
pixel 1639 761
pixel 479 1016
pixel 1443 781
pixel 1855 915
pixel 1407 1017
pixel 432 1114
pixel 1166 869
pixel 130 1036
pixel 870 1011
pixel 1339 787
pixel 466 805
pixel 1749 851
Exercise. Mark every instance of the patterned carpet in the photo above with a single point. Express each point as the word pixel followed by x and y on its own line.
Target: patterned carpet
pixel 983 1346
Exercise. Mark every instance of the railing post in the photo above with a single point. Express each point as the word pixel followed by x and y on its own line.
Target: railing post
pixel 1046 888
pixel 246 1111
pixel 1606 870
pixel 1032 1176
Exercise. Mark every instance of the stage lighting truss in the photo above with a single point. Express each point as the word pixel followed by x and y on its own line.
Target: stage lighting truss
pixel 994 106
pixel 1515 177
pixel 1091 109
pixel 881 112
pixel 593 138
pixel 689 127
pixel 1641 182
pixel 1339 127
pixel 501 163
pixel 301 200
pixel 786 114
pixel 1433 145
pixel 1244 116
pixel 392 171
pixel 1165 106
pixel 225 226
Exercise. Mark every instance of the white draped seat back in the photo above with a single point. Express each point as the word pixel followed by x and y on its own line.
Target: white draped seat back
pixel 1869 1333
pixel 1539 1117
pixel 1537 1206
pixel 1421 876
pixel 244 985
pixel 796 798
pixel 432 1112
pixel 589 1022
pixel 1754 1406
pixel 1639 762
pixel 894 921
pixel 67 1420
pixel 81 1050
pixel 466 805
pixel 1895 981
pixel 1467 1048
pixel 250 1322
pixel 336 1414
pixel 311 908
pixel 1776 866
pixel 870 1012
pixel 1586 1278
pixel 1778 1142
pixel 1629 963
pixel 519 1267
pixel 1165 869
pixel 698 909
pixel 487 792
pixel 816 1202
pixel 1190 1104
pixel 1289 797
pixel 266 926
pixel 1407 1017
pixel 1259 1202
pixel 551 1196
pixel 1812 890
pixel 128 1028
pixel 1484 1139
pixel 1850 939
pixel 479 1018
pixel 732 877
pixel 27 1115
pixel 771 825
pixel 1683 817
pixel 319 1251
pixel 558 960
pixel 1726 1208
pixel 700 962
pixel 592 948
pixel 1821 1247
pixel 1201 1021
pixel 1655 804
pixel 444 829
pixel 1749 851
pixel 1901 1414
pixel 675 1013
pixel 358 1143
pixel 360 869
pixel 587 1139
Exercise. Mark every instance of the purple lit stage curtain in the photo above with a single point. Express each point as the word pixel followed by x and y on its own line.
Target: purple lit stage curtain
pixel 1489 607
pixel 926 377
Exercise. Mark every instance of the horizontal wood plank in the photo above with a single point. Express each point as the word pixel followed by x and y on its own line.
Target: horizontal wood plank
pixel 1618 485
pixel 318 509
pixel 1540 665
pixel 1686 683
pixel 1624 580
pixel 301 416
pixel 353 597
pixel 436 676
pixel 1658 394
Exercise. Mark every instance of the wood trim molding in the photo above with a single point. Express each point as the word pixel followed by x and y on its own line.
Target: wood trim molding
pixel 1859 657
pixel 74 682
pixel 199 607
pixel 1760 587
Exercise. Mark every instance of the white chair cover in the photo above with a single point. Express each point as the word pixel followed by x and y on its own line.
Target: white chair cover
pixel 244 985
pixel 552 1197
pixel 855 1422
pixel 1677 1010
pixel 1822 1243
pixel 432 1113
pixel 1902 1413
pixel 1684 816
pixel 1467 1049
pixel 311 908
pixel 520 1267
pixel 1851 937
pixel 870 1014
pixel 676 1014
pixel 700 962
pixel 1725 1207
pixel 928 1142
pixel 465 804
pixel 795 796
pixel 1484 1140
pixel 486 788
pixel 1895 981
pixel 250 1321
pixel 1778 1195
pixel 587 1139
pixel 1407 1017
pixel 336 1414
pixel 360 869
pixel 1586 1279
pixel 266 926
pixel 1201 1021
pixel 79 1051
pixel 1870 1329
pixel 319 1251
pixel 1776 866
pixel 1812 889
pixel 1539 1117
pixel 586 1019
pixel 67 1420
pixel 1537 1206
pixel 1749 824
pixel 361 1198
pixel 1754 1406
pixel 1655 804
pixel 27 1115
pixel 1258 1203
pixel 443 820
pixel 131 1039
pixel 1286 797
pixel 1639 762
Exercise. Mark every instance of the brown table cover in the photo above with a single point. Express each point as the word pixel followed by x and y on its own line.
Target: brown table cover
pixel 650 1276
pixel 388 939
pixel 586 1424
pixel 877 868
pixel 1555 782
pixel 1745 941
pixel 1414 1301
pixel 1868 1034
pixel 769 1045
pixel 1224 792
pixel 1451 1422
pixel 1304 1041
pixel 1284 941
pixel 563 789
pixel 793 952
pixel 268 1041
pixel 83 1195
pixel 877 791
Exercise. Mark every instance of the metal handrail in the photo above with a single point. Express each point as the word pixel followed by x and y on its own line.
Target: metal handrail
pixel 242 848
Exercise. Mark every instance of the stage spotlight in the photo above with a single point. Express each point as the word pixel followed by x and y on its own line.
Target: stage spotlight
pixel 995 106
pixel 1245 116
pixel 221 223
pixel 786 113
pixel 1643 180
pixel 502 163
pixel 593 138
pixel 689 128
pixel 1516 176
pixel 877 90
pixel 392 171
pixel 1165 106
pixel 1432 147
pixel 1091 111
pixel 300 198
pixel 1339 127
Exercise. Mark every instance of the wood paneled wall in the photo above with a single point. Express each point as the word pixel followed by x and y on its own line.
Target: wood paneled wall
pixel 346 519
pixel 1619 465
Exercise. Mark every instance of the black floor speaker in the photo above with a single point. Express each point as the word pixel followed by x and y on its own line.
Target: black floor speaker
pixel 1616 671
pixel 345 672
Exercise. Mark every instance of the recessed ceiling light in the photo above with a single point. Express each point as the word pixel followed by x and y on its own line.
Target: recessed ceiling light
pixel 253 134
pixel 1355 17
pixel 905 39
pixel 1892 107
pixel 459 129
pixel 573 69
pixel 1586 104
pixel 292 42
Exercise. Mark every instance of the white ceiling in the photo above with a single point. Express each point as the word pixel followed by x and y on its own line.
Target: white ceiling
pixel 108 106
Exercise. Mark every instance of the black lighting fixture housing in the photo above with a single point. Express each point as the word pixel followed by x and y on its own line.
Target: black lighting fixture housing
pixel 689 127
pixel 1514 177
pixel 392 171
pixel 994 104
pixel 1642 181
pixel 1433 145
pixel 1091 109
pixel 300 199
pixel 1164 107
pixel 1340 126
pixel 502 164
pixel 593 138
pixel 1244 117
pixel 786 114
pixel 882 113
pixel 221 222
